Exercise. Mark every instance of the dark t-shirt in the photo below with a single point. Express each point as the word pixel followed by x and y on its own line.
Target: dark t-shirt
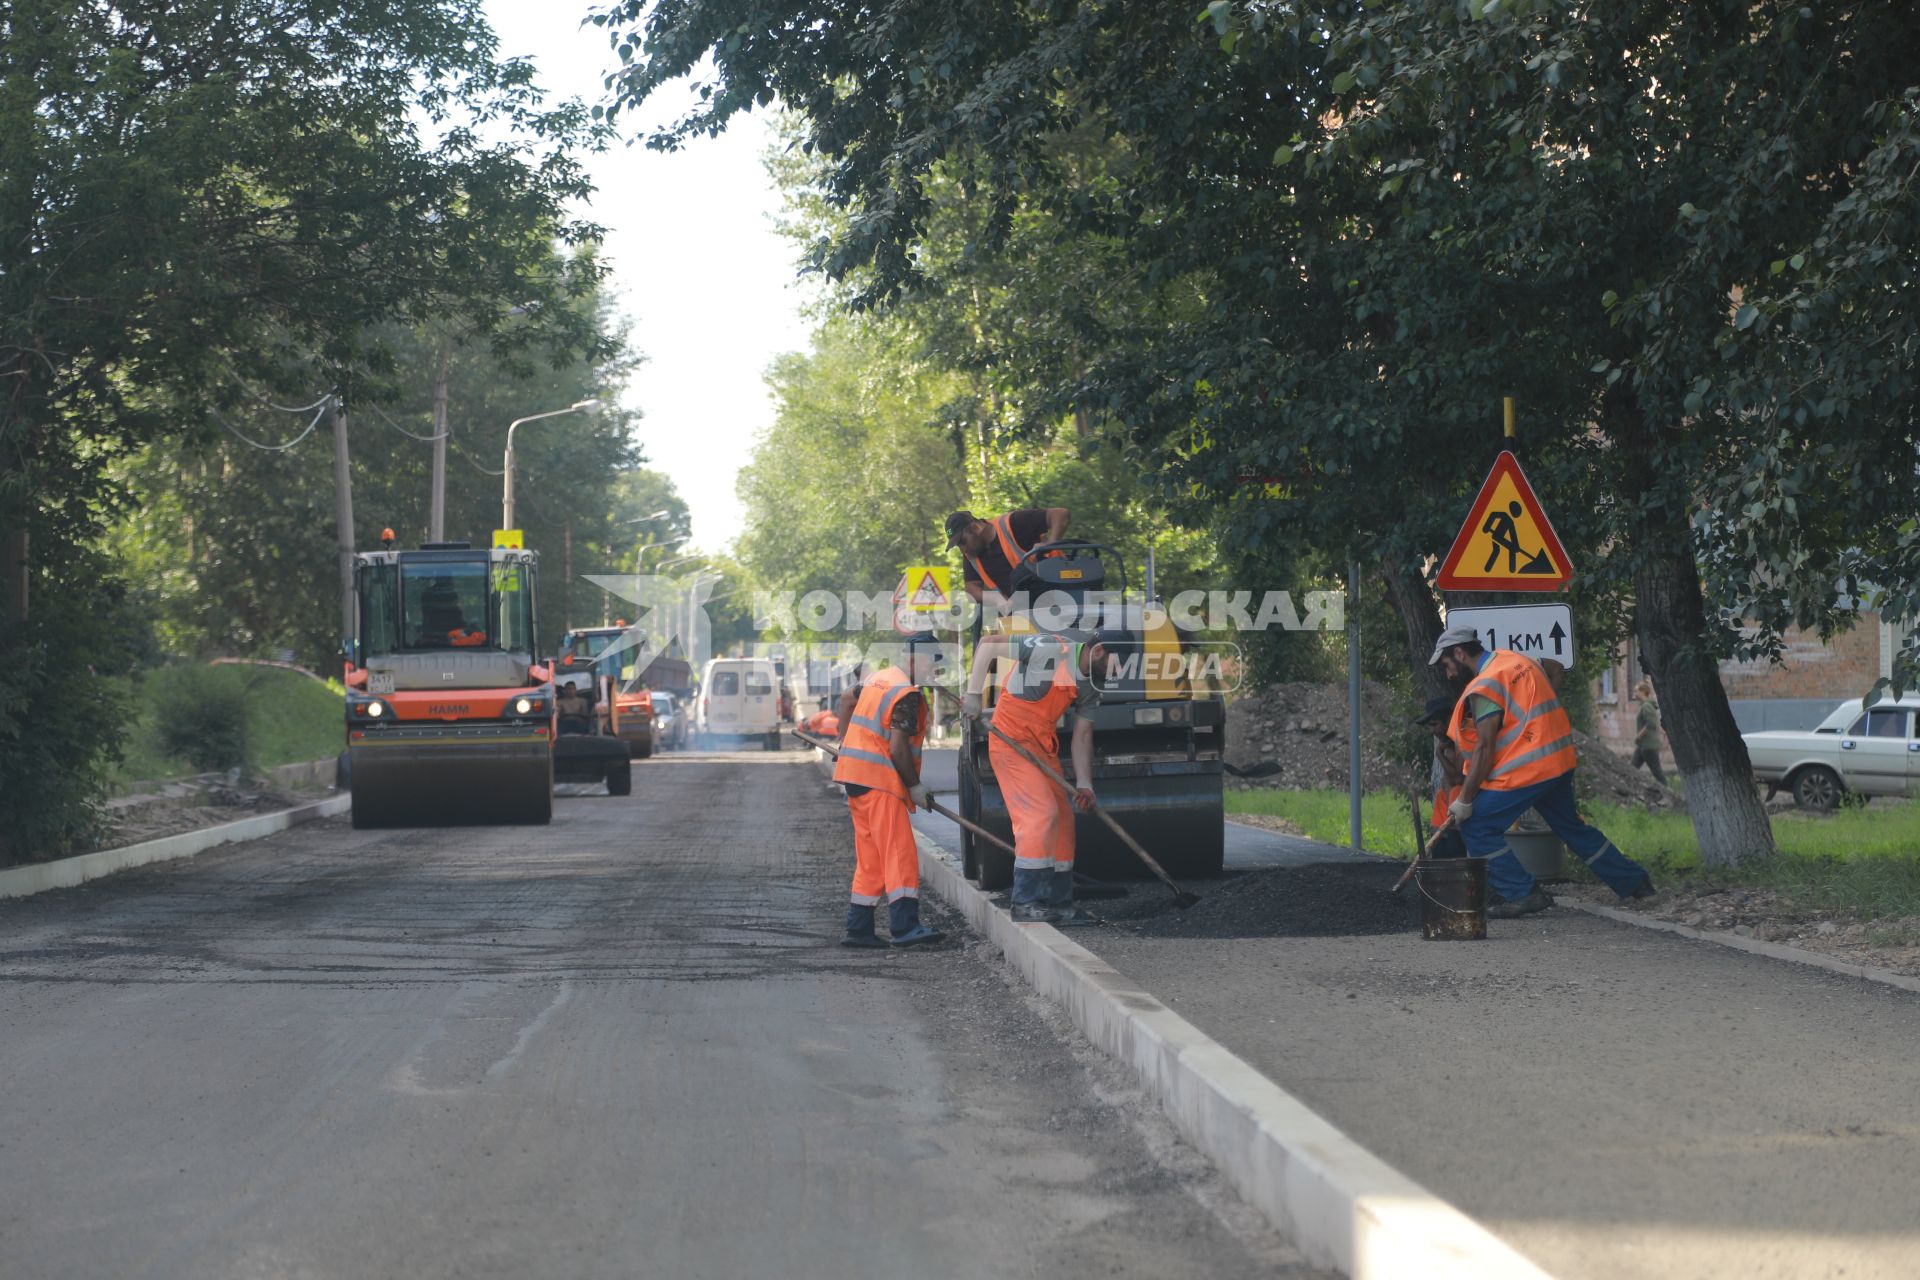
pixel 1029 528
pixel 905 717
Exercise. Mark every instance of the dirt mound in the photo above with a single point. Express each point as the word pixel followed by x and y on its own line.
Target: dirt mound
pixel 1604 774
pixel 1303 729
pixel 1321 899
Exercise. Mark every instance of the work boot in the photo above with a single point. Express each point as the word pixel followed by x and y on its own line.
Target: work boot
pixel 1644 889
pixel 1034 913
pixel 903 923
pixel 860 928
pixel 1060 901
pixel 1538 900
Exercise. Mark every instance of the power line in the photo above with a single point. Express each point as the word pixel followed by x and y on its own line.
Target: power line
pixel 403 431
pixel 321 405
pixel 477 467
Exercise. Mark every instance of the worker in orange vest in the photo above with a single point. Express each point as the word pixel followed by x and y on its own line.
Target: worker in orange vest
pixel 1518 746
pixel 885 720
pixel 1047 674
pixel 1448 773
pixel 994 548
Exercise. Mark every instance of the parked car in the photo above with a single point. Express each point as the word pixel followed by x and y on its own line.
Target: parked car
pixel 737 703
pixel 1858 750
pixel 669 721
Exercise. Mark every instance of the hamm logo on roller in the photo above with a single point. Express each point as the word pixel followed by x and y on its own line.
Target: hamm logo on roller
pixel 448 709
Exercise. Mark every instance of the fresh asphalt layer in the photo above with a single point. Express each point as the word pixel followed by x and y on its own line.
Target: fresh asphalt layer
pixel 621 1045
pixel 1613 1102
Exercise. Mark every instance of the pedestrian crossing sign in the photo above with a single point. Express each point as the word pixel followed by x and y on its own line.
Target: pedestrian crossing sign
pixel 929 588
pixel 1507 542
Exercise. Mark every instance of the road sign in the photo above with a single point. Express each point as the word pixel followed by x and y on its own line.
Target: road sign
pixel 1534 630
pixel 929 588
pixel 1507 542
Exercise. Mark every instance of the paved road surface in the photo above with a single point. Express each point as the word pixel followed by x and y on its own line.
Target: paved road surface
pixel 619 1046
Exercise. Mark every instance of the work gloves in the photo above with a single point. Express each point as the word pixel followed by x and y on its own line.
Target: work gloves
pixel 970 707
pixel 922 797
pixel 1460 810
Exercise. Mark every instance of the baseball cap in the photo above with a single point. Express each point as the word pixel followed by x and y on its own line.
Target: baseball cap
pixel 1451 637
pixel 958 523
pixel 1438 709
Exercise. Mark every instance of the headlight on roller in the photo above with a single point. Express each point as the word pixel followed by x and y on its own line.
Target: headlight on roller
pixel 523 706
pixel 1149 715
pixel 1177 715
pixel 375 709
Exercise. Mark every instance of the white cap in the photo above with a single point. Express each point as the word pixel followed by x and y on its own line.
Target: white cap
pixel 1451 637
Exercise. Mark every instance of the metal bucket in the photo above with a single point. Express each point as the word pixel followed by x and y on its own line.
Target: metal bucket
pixel 1453 899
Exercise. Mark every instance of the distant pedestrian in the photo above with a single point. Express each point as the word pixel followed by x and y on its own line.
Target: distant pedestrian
pixel 1646 732
pixel 1517 743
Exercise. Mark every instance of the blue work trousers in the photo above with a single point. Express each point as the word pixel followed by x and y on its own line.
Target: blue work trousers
pixel 1494 811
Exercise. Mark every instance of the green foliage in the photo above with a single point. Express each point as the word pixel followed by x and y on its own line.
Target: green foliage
pixel 290 718
pixel 201 718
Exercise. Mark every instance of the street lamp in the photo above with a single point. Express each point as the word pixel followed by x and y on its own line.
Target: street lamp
pixel 640 556
pixel 506 489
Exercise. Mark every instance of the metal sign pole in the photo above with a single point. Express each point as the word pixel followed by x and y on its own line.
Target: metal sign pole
pixel 1353 706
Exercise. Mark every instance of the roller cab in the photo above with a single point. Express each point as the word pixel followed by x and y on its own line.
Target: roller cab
pixel 450 719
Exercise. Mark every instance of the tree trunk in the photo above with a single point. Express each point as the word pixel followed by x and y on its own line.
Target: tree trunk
pixel 1412 599
pixel 1670 622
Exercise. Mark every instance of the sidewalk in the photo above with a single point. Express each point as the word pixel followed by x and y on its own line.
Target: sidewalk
pixel 1612 1101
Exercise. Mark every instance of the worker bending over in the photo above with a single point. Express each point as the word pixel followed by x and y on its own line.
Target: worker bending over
pixel 1047 675
pixel 994 548
pixel 884 721
pixel 1518 745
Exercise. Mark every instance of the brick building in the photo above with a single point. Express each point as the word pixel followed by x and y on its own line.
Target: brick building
pixel 1795 693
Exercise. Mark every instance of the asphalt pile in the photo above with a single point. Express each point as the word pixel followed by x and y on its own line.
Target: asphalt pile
pixel 1319 900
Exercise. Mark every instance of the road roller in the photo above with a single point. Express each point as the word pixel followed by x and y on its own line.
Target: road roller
pixel 450 715
pixel 1159 741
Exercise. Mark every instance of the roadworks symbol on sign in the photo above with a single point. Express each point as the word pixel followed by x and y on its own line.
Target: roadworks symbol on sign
pixel 928 592
pixel 1507 542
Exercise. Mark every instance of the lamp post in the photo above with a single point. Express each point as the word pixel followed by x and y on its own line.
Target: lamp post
pixel 506 489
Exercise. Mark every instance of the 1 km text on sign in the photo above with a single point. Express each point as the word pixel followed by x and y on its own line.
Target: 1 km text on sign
pixel 1537 631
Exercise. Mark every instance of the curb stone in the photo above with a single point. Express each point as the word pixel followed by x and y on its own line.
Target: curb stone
pixel 64 873
pixel 1341 1204
pixel 1753 946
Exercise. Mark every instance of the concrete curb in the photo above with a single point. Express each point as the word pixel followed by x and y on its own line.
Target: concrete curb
pixel 1341 1204
pixel 1752 946
pixel 19 882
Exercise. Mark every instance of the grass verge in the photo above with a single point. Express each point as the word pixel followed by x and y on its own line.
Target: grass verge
pixel 291 717
pixel 1862 861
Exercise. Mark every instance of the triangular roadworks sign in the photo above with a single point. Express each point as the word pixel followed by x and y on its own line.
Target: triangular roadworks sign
pixel 1507 542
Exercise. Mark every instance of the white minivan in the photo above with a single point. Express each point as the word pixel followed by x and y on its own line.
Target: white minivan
pixel 737 701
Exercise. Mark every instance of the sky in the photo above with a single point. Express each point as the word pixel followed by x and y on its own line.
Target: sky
pixel 697 266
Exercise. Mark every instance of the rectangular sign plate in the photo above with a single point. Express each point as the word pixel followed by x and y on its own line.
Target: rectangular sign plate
pixel 380 682
pixel 1535 630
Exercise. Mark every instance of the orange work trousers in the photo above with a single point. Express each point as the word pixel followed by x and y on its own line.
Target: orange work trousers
pixel 1042 815
pixel 885 862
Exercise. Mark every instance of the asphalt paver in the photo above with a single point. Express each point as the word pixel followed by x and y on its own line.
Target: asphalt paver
pixel 622 1045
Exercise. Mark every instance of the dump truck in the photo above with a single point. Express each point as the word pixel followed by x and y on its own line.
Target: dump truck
pixel 1159 744
pixel 449 712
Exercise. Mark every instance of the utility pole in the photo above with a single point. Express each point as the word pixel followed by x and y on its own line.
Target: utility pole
pixel 343 514
pixel 437 507
pixel 566 574
pixel 1353 706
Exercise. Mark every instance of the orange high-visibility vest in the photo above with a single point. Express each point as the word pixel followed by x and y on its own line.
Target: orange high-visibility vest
pixel 865 758
pixel 1009 547
pixel 1031 722
pixel 1442 797
pixel 1536 738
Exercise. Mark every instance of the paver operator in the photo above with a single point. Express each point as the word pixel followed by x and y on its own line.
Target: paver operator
pixel 1048 674
pixel 1518 746
pixel 884 721
pixel 994 548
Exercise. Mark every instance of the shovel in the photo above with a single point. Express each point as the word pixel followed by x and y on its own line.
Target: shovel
pixel 978 830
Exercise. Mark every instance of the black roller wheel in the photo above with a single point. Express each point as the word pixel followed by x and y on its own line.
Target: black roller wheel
pixel 1818 788
pixel 641 750
pixel 620 779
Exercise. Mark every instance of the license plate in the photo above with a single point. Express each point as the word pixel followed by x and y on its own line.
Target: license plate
pixel 380 682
